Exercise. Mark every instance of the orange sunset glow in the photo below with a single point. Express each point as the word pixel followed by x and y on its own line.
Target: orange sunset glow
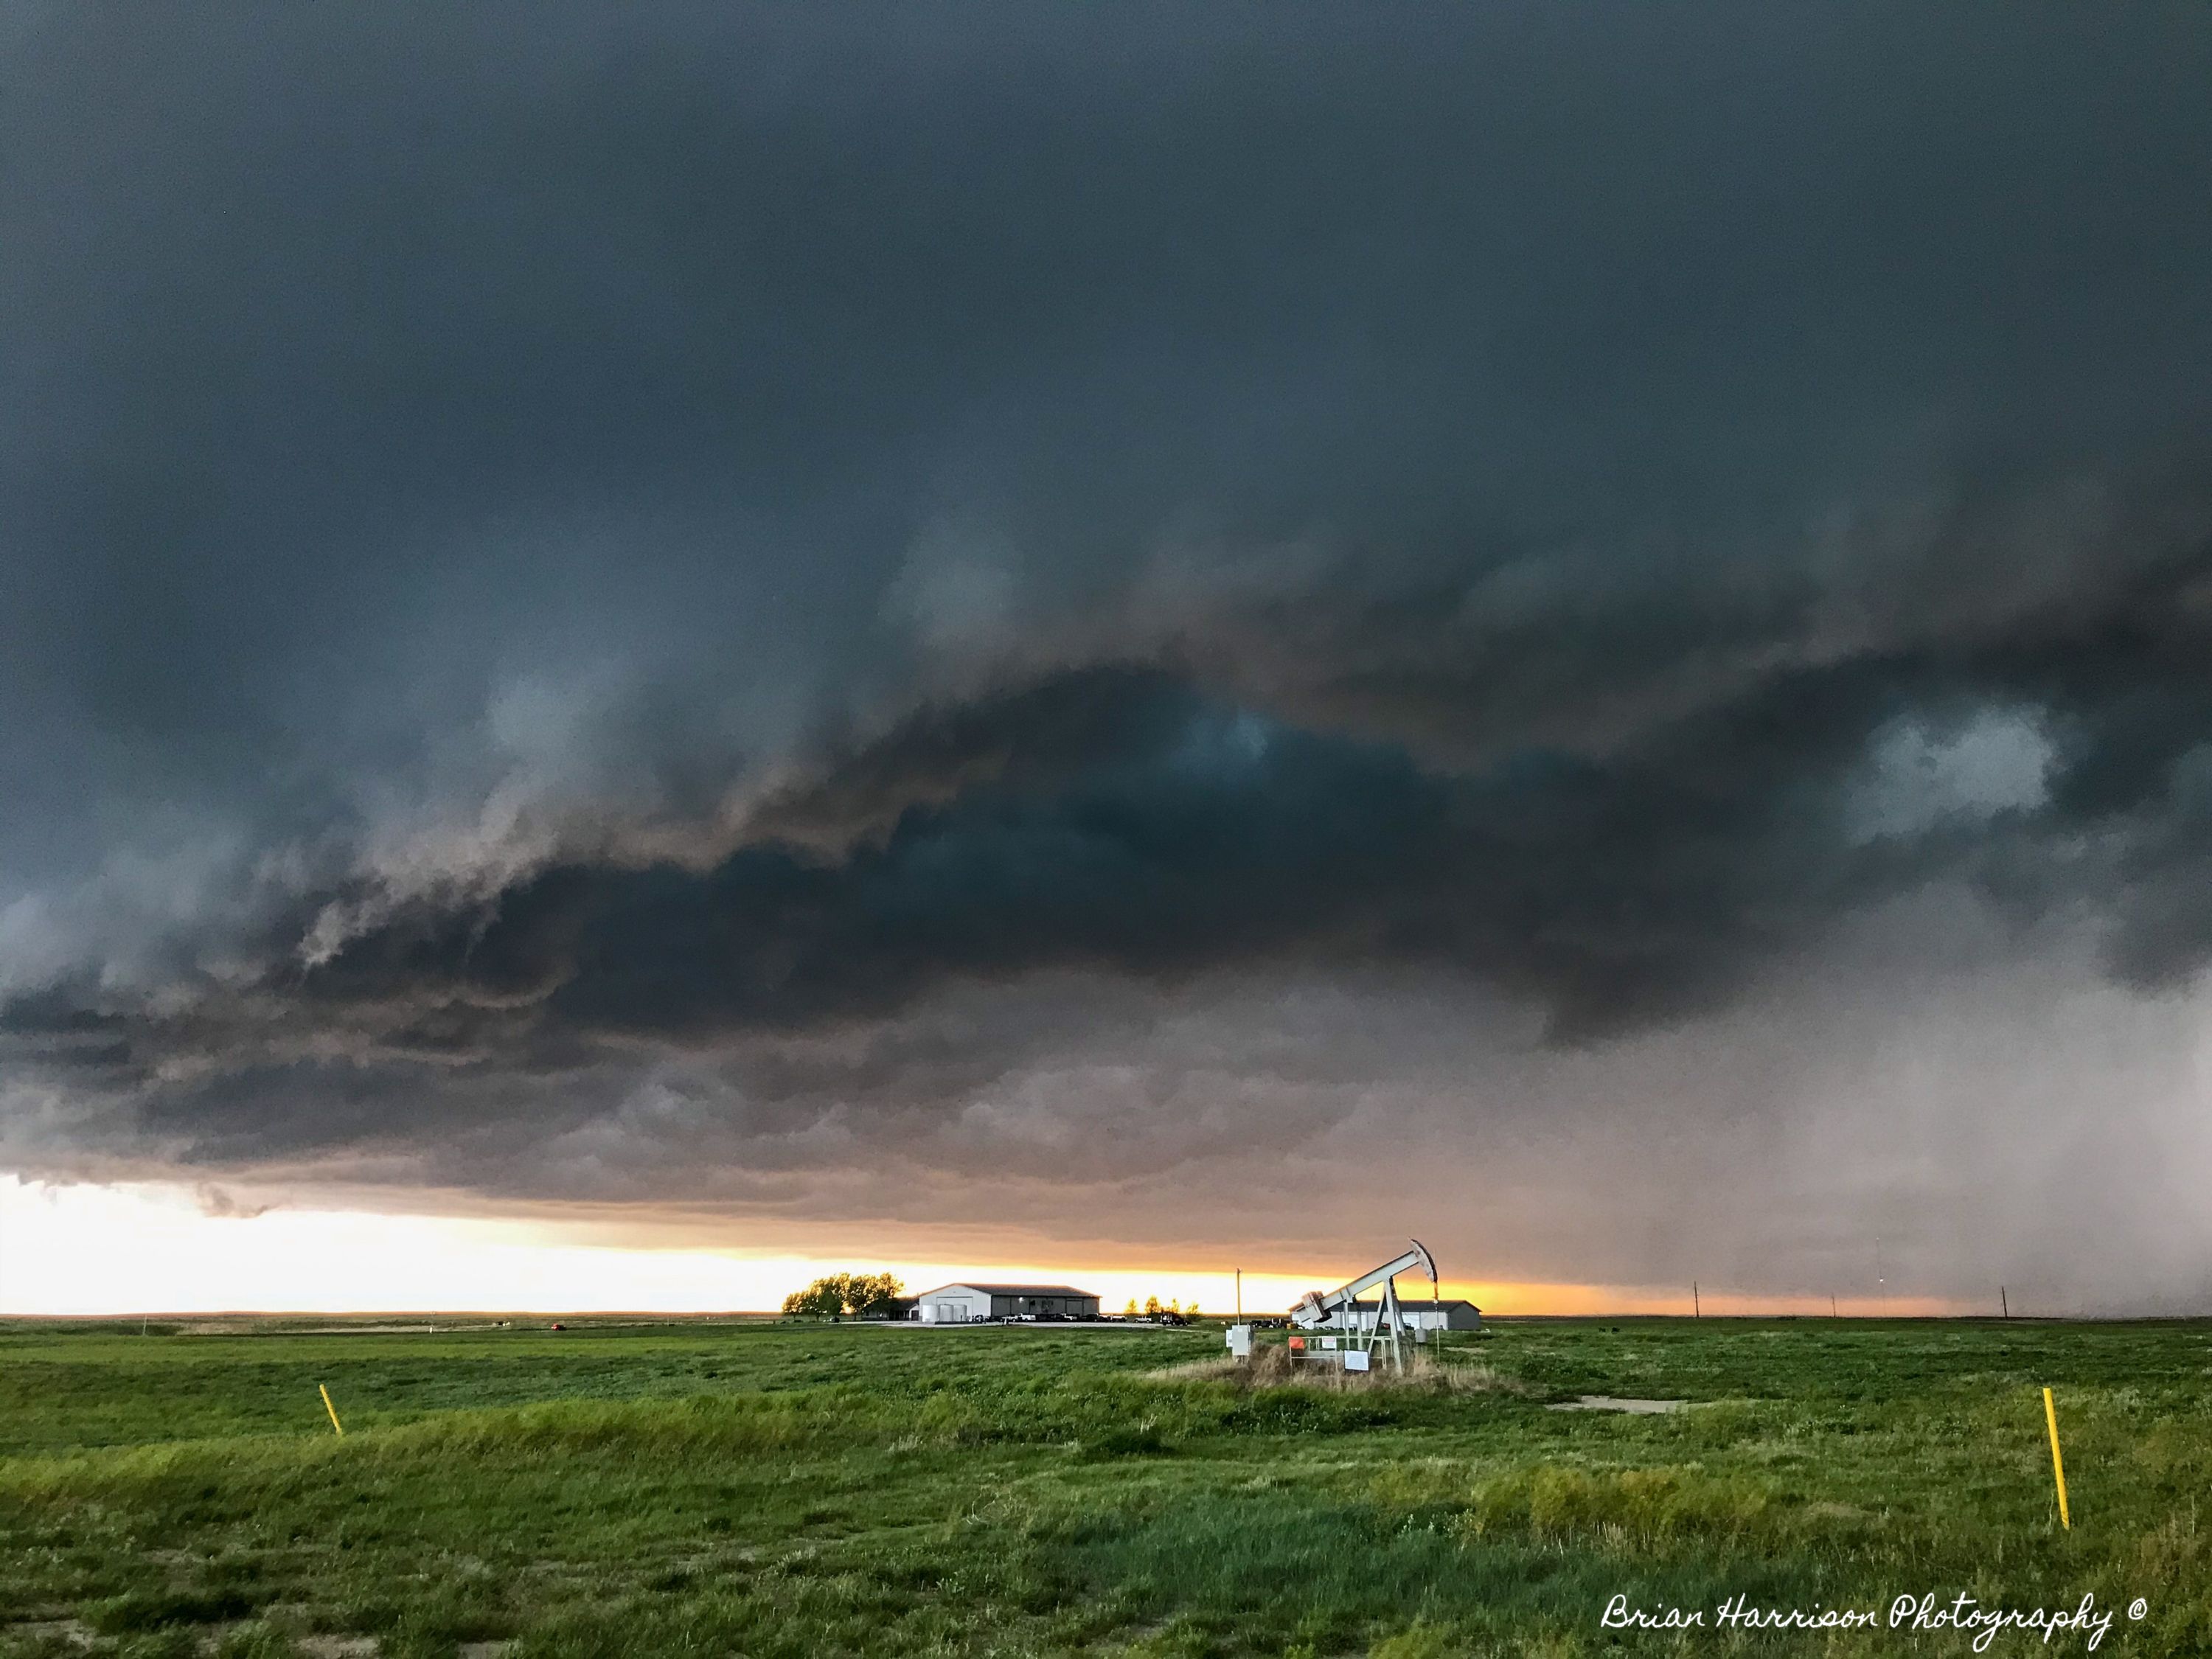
pixel 82 1249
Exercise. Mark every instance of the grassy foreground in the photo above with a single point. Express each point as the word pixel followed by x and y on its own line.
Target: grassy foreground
pixel 707 1489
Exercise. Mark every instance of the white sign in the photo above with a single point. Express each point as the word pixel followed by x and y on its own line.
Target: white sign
pixel 1355 1359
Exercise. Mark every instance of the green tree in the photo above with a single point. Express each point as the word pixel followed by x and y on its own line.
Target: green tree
pixel 867 1294
pixel 834 1295
pixel 823 1299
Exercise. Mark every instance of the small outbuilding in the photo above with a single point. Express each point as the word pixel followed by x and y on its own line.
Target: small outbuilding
pixel 1449 1315
pixel 969 1304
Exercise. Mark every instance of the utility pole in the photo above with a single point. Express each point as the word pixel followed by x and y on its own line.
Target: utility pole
pixel 1832 1313
pixel 1696 1312
pixel 1239 1296
pixel 2004 1308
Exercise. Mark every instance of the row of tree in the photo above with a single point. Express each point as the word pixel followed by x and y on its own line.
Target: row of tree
pixel 1154 1308
pixel 847 1296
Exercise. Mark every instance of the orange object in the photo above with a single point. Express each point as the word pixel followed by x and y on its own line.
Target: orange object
pixel 1297 1342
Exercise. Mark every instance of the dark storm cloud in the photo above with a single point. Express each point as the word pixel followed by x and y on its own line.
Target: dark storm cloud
pixel 1196 836
pixel 609 603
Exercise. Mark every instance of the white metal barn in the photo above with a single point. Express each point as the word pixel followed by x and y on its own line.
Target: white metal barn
pixel 964 1304
pixel 1446 1315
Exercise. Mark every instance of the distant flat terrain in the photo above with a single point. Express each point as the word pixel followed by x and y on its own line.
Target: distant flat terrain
pixel 629 1486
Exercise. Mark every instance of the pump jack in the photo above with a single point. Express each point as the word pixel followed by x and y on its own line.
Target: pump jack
pixel 1316 1310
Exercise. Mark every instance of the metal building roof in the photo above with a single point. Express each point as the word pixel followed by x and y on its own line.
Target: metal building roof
pixel 1015 1289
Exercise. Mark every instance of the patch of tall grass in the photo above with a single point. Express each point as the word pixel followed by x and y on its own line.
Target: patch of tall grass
pixel 1271 1367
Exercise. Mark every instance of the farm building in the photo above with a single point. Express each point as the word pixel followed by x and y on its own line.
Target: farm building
pixel 1446 1315
pixel 961 1304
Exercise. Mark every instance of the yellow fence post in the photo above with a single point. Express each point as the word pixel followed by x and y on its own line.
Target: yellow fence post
pixel 340 1427
pixel 2058 1464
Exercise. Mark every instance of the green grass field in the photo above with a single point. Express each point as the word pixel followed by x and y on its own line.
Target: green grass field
pixel 696 1488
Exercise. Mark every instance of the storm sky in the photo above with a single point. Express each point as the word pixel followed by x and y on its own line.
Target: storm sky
pixel 1585 631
